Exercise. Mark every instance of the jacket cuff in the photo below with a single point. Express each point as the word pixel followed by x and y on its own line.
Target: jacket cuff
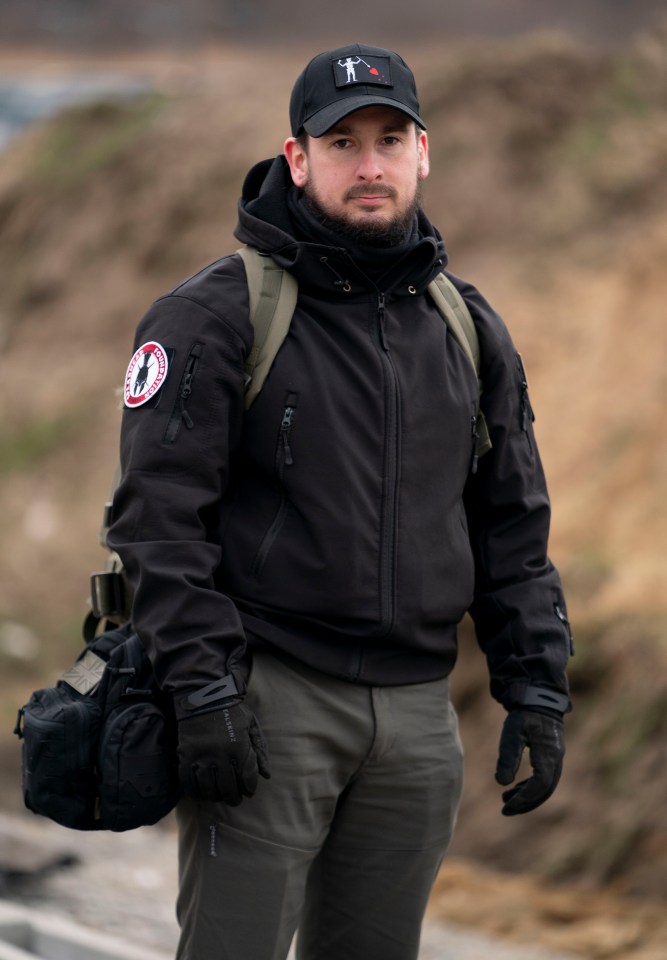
pixel 213 696
pixel 540 699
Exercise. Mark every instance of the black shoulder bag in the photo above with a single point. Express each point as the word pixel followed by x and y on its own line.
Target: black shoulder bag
pixel 99 748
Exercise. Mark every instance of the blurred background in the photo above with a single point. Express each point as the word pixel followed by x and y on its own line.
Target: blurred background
pixel 126 128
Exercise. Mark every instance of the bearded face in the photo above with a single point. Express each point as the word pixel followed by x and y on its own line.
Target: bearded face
pixel 363 177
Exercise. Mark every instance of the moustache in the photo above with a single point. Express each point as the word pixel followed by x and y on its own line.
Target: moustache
pixel 371 190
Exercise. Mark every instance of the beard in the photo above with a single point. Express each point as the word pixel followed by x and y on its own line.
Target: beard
pixel 373 230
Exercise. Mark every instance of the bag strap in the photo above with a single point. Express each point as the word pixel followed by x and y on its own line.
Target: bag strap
pixel 272 293
pixel 455 312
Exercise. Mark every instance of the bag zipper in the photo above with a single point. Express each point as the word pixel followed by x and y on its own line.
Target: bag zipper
pixel 82 714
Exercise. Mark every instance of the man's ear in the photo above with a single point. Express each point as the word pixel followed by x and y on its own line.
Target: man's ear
pixel 297 158
pixel 422 155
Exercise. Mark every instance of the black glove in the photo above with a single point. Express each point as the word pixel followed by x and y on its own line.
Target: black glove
pixel 220 754
pixel 543 735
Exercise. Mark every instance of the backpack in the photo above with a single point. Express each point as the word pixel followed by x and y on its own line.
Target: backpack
pixel 98 748
pixel 272 294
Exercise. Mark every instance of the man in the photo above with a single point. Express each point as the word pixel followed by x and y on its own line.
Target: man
pixel 300 569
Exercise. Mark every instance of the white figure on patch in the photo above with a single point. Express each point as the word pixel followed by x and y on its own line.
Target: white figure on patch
pixel 349 65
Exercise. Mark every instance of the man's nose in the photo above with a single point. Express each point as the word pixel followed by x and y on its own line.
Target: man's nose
pixel 369 167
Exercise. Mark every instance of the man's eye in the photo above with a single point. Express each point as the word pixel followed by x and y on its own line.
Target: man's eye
pixel 341 144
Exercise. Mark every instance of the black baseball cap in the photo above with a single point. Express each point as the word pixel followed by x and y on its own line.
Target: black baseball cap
pixel 337 82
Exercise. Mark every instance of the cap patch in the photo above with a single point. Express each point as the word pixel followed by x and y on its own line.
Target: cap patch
pixel 362 70
pixel 146 373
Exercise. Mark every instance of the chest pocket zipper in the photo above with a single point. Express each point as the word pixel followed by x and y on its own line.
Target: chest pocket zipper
pixel 284 458
pixel 179 413
pixel 285 429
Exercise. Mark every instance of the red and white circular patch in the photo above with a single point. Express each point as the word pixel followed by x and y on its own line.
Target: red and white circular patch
pixel 146 373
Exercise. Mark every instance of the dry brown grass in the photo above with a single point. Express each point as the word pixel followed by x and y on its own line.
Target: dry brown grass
pixel 525 910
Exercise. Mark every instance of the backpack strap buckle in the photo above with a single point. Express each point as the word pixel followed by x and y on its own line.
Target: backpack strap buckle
pixel 107 594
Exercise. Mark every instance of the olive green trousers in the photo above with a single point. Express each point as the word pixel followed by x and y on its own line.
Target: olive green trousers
pixel 343 843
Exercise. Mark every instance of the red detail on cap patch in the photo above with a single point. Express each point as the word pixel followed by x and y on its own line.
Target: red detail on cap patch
pixel 376 73
pixel 146 372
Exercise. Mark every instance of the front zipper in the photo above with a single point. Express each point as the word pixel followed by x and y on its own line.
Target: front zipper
pixel 475 439
pixel 284 458
pixel 390 493
pixel 179 413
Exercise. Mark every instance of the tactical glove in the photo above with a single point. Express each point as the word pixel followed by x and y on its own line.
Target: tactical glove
pixel 220 754
pixel 543 735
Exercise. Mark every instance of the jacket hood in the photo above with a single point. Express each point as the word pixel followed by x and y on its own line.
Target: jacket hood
pixel 264 222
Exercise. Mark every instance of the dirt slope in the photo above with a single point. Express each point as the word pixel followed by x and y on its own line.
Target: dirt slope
pixel 548 183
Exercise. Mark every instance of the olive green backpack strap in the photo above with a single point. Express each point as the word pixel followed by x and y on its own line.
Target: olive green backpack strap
pixel 272 293
pixel 456 315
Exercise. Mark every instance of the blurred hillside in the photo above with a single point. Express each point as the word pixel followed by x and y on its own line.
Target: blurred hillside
pixel 548 183
pixel 114 24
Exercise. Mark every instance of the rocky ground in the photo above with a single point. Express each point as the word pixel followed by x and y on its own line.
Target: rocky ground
pixel 125 885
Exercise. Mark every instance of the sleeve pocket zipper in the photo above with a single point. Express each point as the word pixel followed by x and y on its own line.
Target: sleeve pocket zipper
pixel 566 624
pixel 179 413
pixel 527 415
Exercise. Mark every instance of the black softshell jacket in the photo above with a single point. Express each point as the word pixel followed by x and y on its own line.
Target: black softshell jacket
pixel 342 520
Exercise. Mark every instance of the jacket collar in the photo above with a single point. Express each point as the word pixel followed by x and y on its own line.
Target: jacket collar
pixel 264 222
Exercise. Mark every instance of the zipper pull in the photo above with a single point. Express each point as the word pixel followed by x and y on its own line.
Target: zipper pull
pixel 285 427
pixel 186 390
pixel 475 438
pixel 185 393
pixel 566 623
pixel 18 729
pixel 526 411
pixel 383 342
pixel 187 386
